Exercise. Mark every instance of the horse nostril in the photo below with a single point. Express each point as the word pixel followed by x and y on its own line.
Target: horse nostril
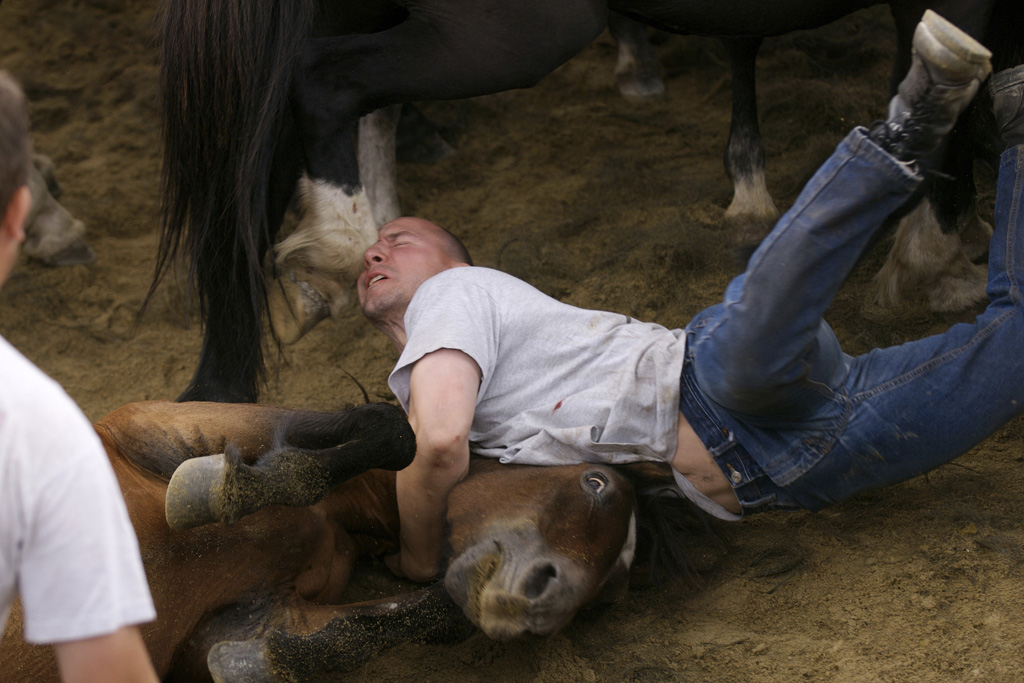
pixel 538 580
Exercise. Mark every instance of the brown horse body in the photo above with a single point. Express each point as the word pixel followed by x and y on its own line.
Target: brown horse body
pixel 259 600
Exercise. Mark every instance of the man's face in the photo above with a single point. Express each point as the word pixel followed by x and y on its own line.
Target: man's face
pixel 408 252
pixel 12 230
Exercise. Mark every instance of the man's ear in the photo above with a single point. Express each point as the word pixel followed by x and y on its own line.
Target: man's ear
pixel 13 225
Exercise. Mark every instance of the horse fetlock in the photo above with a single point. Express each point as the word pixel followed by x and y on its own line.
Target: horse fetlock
pixel 975 235
pixel 925 259
pixel 289 478
pixel 959 290
pixel 320 259
pixel 638 69
pixel 751 200
pixel 335 228
pixel 752 213
pixel 638 79
pixel 636 85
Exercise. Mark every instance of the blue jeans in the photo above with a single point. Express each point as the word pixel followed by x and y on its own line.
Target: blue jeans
pixel 796 423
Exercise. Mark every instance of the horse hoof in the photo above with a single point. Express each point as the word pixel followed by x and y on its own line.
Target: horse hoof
pixel 75 254
pixel 295 308
pixel 246 660
pixel 194 492
pixel 639 86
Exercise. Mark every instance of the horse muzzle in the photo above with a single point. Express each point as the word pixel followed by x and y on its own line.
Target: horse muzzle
pixel 512 583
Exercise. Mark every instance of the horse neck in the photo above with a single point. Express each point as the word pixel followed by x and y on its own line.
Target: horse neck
pixel 367 508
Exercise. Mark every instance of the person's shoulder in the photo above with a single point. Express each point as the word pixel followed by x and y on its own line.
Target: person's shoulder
pixel 478 275
pixel 26 392
pixel 466 281
pixel 19 375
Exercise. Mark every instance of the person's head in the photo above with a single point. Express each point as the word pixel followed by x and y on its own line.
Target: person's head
pixel 15 162
pixel 408 251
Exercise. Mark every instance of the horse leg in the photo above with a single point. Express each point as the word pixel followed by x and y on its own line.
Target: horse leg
pixel 936 243
pixel 752 213
pixel 638 71
pixel 319 260
pixel 160 435
pixel 378 132
pixel 323 640
pixel 311 459
pixel 449 50
pixel 924 258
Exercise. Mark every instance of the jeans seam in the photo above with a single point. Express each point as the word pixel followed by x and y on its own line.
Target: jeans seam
pixel 925 368
pixel 1011 221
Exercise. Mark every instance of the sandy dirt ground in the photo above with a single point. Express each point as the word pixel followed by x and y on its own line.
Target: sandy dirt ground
pixel 602 203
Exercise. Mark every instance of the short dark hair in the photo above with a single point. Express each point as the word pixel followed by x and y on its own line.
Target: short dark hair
pixel 15 150
pixel 455 248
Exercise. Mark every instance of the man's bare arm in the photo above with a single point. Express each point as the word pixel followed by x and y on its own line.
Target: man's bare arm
pixel 118 657
pixel 442 399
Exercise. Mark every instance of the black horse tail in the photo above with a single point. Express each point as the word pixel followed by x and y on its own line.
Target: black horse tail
pixel 226 72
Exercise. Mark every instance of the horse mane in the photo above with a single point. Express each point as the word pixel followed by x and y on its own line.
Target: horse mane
pixel 675 538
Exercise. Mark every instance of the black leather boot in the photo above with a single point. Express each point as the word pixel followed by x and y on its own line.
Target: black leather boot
pixel 946 69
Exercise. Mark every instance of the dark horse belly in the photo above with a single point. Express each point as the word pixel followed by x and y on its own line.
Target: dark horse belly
pixel 294 115
pixel 738 17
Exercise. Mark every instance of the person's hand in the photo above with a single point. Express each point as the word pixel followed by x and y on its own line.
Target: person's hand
pixel 398 564
pixel 394 563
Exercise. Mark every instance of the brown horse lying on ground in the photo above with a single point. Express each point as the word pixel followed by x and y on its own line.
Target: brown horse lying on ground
pixel 259 600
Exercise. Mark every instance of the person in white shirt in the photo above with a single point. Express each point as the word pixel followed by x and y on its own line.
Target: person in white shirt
pixel 67 547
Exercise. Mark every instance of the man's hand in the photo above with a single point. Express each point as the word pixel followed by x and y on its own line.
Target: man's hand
pixel 394 563
pixel 443 388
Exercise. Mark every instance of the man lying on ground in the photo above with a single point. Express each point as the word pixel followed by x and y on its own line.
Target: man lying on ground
pixel 754 404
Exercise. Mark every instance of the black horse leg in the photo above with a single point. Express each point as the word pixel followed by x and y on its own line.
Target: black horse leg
pixel 355 634
pixel 953 192
pixel 752 212
pixel 230 364
pixel 929 251
pixel 443 50
pixel 318 453
pixel 638 71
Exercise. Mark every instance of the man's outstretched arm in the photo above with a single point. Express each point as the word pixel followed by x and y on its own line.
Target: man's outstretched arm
pixel 118 657
pixel 443 389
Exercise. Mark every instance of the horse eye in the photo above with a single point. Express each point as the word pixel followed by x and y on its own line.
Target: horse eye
pixel 597 481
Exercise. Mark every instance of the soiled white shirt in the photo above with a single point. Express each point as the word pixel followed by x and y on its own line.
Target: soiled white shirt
pixel 560 384
pixel 67 547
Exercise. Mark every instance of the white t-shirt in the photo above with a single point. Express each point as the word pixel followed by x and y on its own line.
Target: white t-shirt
pixel 559 384
pixel 67 547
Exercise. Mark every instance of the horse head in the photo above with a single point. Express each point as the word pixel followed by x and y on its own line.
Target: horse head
pixel 531 546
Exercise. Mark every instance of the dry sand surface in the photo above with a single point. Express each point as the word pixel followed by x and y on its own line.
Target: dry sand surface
pixel 602 203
